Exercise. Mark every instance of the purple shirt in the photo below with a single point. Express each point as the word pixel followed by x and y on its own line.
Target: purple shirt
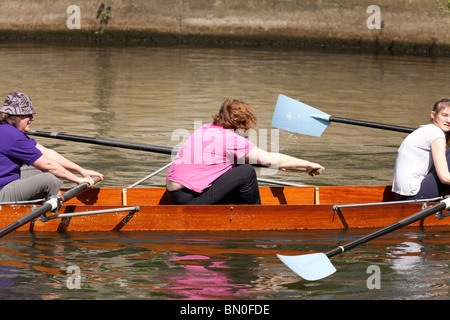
pixel 16 149
pixel 208 153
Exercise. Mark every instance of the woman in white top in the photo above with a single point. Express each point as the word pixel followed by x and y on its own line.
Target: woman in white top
pixel 422 166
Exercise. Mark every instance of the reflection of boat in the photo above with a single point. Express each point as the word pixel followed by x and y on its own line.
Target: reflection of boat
pixel 143 209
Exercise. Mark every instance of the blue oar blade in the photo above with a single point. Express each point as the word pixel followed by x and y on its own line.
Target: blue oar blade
pixel 311 267
pixel 295 116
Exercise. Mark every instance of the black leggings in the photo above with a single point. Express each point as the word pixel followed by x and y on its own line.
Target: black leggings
pixel 236 186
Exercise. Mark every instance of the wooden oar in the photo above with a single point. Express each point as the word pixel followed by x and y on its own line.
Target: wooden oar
pixel 105 142
pixel 49 205
pixel 295 116
pixel 317 266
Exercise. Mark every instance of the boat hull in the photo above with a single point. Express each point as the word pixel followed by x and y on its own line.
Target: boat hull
pixel 282 208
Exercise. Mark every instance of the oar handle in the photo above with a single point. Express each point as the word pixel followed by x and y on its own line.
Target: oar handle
pixel 77 190
pixel 372 124
pixel 444 204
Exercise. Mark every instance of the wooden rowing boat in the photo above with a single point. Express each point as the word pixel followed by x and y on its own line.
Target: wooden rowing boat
pixel 283 208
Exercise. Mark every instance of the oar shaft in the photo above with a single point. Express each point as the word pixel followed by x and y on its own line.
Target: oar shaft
pixel 25 219
pixel 372 124
pixel 110 143
pixel 399 224
pixel 105 142
pixel 47 206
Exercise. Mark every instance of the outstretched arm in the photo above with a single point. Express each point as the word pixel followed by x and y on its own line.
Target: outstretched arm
pixel 282 161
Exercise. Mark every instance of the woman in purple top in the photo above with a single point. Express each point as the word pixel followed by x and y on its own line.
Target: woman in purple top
pixel 27 169
pixel 210 166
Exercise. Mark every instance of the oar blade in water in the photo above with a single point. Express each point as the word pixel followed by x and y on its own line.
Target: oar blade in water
pixel 311 267
pixel 295 116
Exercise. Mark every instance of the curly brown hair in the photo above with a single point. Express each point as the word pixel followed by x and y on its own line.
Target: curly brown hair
pixel 235 114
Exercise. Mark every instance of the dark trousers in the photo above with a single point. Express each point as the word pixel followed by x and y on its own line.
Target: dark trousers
pixel 431 186
pixel 236 186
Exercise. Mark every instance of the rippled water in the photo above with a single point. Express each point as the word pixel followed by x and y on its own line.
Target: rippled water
pixel 144 94
pixel 413 264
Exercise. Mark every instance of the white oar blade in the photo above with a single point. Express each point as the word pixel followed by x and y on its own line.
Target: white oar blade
pixel 295 116
pixel 311 267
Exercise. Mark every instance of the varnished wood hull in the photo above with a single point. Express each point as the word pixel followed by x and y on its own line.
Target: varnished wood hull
pixel 283 208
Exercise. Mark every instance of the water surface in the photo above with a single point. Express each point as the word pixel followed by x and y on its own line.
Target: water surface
pixel 413 264
pixel 145 94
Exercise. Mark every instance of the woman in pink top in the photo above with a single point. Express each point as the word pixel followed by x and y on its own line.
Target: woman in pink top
pixel 210 167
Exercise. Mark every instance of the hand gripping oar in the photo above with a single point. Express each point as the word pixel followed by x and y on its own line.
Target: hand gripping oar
pixel 316 266
pixel 105 142
pixel 49 205
pixel 295 116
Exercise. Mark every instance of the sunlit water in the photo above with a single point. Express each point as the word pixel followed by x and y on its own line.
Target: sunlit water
pixel 145 94
pixel 413 264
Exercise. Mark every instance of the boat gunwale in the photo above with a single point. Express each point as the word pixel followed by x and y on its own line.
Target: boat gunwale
pixel 271 216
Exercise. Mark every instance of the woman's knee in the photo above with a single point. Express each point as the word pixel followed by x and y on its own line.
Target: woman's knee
pixel 50 183
pixel 247 170
pixel 44 185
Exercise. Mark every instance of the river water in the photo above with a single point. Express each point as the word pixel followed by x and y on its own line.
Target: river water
pixel 148 95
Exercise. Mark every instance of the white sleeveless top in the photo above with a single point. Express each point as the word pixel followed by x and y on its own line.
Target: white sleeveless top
pixel 414 159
